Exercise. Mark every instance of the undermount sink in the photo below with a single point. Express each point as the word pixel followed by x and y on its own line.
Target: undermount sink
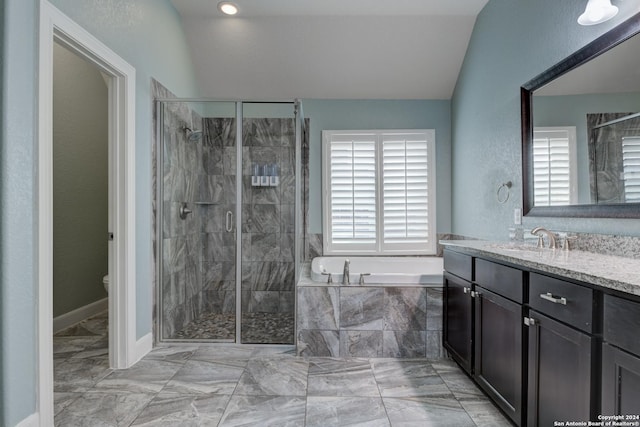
pixel 516 247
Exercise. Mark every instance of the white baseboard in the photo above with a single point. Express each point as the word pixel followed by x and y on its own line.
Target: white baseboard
pixel 79 314
pixel 32 420
pixel 143 346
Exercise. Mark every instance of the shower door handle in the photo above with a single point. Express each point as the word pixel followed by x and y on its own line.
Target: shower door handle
pixel 229 222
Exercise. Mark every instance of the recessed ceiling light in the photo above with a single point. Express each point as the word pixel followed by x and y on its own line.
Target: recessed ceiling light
pixel 227 8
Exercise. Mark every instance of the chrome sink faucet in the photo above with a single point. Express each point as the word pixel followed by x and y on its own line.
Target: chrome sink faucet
pixel 538 231
pixel 345 272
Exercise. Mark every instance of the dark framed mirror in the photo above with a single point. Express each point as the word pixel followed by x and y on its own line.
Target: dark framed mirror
pixel 581 131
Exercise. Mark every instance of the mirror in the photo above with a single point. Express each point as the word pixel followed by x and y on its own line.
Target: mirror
pixel 581 131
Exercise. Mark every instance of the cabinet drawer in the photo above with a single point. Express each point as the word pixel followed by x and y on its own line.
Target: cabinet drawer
pixel 567 302
pixel 621 323
pixel 503 280
pixel 458 264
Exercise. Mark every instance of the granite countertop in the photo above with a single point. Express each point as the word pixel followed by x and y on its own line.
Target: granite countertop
pixel 607 271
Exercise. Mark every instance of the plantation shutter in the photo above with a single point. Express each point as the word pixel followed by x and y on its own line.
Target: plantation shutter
pixel 353 189
pixel 379 192
pixel 405 180
pixel 631 168
pixel 552 175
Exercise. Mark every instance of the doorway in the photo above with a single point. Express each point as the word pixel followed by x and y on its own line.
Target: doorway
pixel 81 214
pixel 80 189
pixel 126 349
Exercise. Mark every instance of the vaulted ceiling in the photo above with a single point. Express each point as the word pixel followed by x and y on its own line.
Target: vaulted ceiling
pixel 332 49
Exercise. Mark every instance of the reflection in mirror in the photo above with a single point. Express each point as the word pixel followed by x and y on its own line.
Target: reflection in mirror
pixel 581 130
pixel 555 166
pixel 614 162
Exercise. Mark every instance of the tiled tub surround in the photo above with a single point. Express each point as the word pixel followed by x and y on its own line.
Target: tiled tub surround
pixel 368 321
pixel 608 271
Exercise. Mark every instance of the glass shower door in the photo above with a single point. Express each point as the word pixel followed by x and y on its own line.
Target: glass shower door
pixel 268 223
pixel 197 268
pixel 227 177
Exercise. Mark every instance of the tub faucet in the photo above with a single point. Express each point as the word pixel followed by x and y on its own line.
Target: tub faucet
pixel 550 235
pixel 345 272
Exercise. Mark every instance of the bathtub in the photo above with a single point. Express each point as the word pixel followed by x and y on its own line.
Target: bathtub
pixel 388 271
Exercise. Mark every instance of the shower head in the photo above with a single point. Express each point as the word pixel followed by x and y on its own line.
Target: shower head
pixel 192 135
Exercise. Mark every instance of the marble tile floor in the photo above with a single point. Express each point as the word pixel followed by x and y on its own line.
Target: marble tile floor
pixel 233 385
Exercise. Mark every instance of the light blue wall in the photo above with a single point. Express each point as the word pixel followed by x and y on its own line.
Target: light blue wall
pixel 379 114
pixel 148 35
pixel 17 213
pixel 572 110
pixel 512 42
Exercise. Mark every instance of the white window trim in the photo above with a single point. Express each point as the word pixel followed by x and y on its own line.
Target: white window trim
pixel 573 157
pixel 631 182
pixel 429 248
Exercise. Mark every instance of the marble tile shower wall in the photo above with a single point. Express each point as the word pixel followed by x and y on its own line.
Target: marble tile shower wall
pixel 182 284
pixel 217 197
pixel 268 218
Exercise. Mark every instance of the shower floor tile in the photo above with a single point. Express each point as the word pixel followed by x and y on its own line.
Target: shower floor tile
pixel 257 328
pixel 232 385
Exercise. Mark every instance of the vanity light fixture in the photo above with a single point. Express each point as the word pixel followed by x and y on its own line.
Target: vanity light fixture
pixel 227 8
pixel 597 11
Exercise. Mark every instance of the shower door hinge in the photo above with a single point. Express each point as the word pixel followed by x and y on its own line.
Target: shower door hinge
pixel 110 236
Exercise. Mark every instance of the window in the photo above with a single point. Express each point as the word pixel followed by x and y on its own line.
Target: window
pixel 379 192
pixel 631 168
pixel 554 166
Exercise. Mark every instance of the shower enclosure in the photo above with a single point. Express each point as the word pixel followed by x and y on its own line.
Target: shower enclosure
pixel 228 220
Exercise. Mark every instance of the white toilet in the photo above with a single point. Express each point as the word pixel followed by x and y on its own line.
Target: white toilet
pixel 105 282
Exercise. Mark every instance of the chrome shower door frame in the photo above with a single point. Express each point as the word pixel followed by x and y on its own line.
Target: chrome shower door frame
pixel 298 247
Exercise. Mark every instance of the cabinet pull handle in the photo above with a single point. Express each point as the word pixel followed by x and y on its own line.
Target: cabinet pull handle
pixel 529 321
pixel 229 222
pixel 465 290
pixel 475 294
pixel 556 300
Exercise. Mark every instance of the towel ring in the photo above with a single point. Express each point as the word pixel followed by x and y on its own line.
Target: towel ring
pixel 503 193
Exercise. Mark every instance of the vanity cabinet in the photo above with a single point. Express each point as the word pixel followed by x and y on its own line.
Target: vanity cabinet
pixel 457 310
pixel 498 361
pixel 534 342
pixel 561 352
pixel 621 357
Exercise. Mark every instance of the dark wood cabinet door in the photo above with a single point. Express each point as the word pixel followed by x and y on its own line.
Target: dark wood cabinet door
pixel 620 382
pixel 498 351
pixel 560 373
pixel 457 334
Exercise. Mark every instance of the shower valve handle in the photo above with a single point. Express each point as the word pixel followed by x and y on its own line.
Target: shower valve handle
pixel 184 211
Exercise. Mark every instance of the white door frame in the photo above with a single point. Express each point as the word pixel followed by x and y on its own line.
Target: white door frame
pixel 55 26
